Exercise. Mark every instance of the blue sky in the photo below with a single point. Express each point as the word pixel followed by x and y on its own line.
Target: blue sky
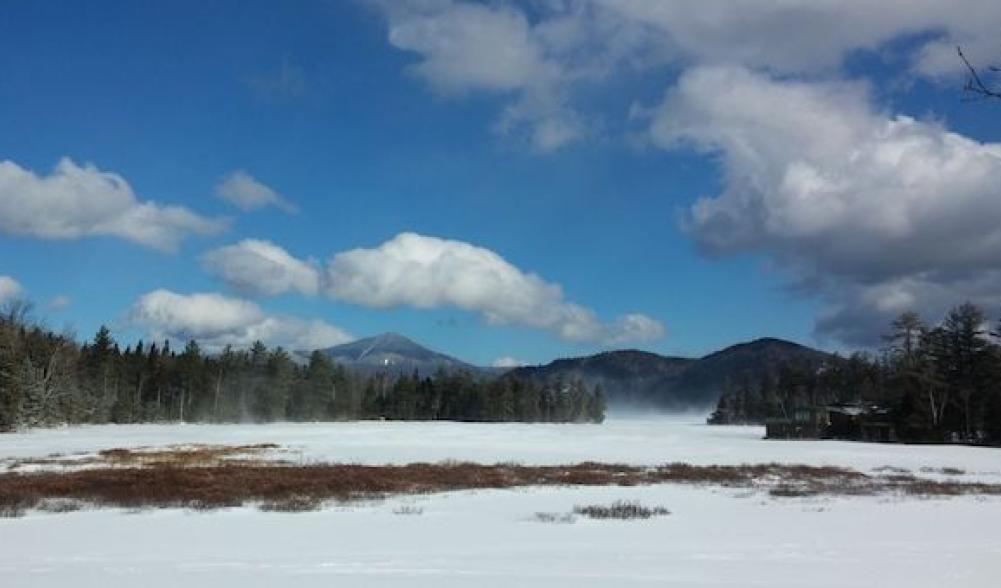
pixel 576 162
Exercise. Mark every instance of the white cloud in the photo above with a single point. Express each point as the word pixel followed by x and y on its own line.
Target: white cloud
pixel 262 268
pixel 807 36
pixel 507 362
pixel 215 321
pixel 247 193
pixel 427 272
pixel 876 213
pixel 856 203
pixel 74 202
pixel 466 47
pixel 469 46
pixel 9 289
pixel 539 54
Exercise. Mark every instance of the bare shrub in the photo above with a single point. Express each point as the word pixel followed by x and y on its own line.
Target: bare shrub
pixel 891 469
pixel 620 510
pixel 563 518
pixel 947 471
pixel 11 511
pixel 59 505
pixel 293 503
pixel 408 510
pixel 789 491
pixel 13 505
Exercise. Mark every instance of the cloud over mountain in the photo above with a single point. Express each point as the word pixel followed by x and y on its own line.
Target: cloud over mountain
pixel 427 272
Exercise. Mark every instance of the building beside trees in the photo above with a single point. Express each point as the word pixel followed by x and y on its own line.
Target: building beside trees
pixel 931 384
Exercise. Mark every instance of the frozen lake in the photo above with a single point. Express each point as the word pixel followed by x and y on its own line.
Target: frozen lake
pixel 639 441
pixel 714 537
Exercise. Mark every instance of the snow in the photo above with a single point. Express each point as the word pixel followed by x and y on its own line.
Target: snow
pixel 490 538
pixel 714 537
pixel 639 441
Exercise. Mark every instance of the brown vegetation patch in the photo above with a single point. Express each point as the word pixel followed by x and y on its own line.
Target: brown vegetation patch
pixel 187 455
pixel 196 455
pixel 202 478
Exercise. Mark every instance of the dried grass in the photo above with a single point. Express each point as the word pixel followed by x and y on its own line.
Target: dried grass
pixel 293 503
pixel 211 477
pixel 172 455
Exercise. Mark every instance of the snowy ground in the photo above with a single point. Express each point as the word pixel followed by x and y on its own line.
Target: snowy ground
pixel 638 441
pixel 714 537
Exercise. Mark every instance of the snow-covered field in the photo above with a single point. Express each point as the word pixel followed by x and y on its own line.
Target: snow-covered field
pixel 714 537
pixel 638 441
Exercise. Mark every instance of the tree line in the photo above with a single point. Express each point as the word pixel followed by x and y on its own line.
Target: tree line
pixel 48 379
pixel 934 383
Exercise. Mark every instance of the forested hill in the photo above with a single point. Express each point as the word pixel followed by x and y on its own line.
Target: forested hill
pixel 50 379
pixel 47 378
pixel 649 380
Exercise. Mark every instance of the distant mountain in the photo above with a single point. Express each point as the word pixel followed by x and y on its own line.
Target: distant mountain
pixel 647 379
pixel 395 354
pixel 628 377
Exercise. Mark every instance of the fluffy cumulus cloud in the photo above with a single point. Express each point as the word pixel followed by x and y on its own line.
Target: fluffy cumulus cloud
pixel 245 192
pixel 81 201
pixel 9 289
pixel 262 268
pixel 215 321
pixel 426 272
pixel 539 54
pixel 471 47
pixel 876 213
pixel 807 36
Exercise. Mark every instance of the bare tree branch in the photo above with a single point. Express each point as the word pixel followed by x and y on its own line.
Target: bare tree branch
pixel 975 85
